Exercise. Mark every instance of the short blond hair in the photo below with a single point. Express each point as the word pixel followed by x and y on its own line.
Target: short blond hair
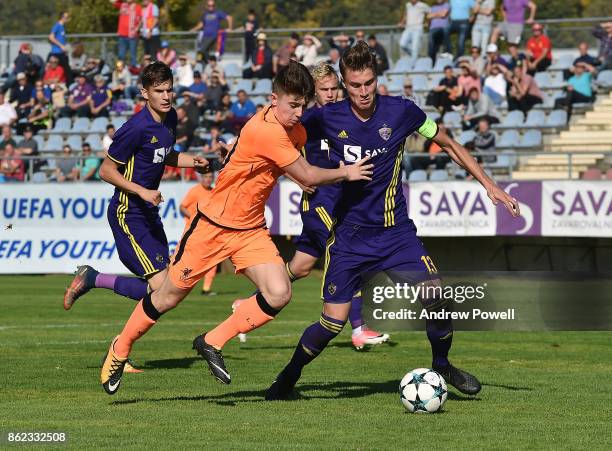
pixel 323 70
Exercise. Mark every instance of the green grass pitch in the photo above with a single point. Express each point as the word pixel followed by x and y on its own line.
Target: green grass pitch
pixel 540 390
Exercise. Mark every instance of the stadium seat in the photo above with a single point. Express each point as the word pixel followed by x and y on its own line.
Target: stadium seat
pixel 592 174
pixel 438 175
pixel 75 142
pixel 423 64
pixel 232 70
pixel 604 78
pixel 81 125
pixel 247 85
pixel 417 175
pixel 227 137
pixel 396 84
pixel 263 86
pixel 403 65
pixel 434 81
pixel 562 62
pixel 259 100
pixel 452 119
pixel 506 159
pixel 513 119
pixel 509 138
pixel 39 177
pixel 556 118
pixel 179 101
pixel 535 118
pixel 62 125
pixel 54 143
pixel 94 141
pixel 441 63
pixel 40 140
pixel 419 82
pixel 119 121
pixel 99 125
pixel 531 139
pixel 433 115
pixel 466 137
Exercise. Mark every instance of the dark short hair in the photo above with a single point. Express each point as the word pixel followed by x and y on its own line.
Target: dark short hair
pixel 109 126
pixel 372 37
pixel 86 144
pixel 295 36
pixel 448 67
pixel 155 74
pixel 358 58
pixel 294 79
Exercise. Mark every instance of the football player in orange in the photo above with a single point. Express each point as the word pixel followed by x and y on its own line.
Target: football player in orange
pixel 231 224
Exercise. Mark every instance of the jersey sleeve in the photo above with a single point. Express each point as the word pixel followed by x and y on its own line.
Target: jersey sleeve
pixel 125 143
pixel 417 120
pixel 277 147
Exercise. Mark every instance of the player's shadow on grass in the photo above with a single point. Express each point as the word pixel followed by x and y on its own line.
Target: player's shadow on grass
pixel 508 387
pixel 306 392
pixel 184 363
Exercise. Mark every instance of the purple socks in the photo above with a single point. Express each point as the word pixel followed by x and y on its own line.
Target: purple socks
pixel 355 312
pixel 130 287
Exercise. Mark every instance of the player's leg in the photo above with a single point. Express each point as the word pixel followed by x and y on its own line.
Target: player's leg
pixel 208 280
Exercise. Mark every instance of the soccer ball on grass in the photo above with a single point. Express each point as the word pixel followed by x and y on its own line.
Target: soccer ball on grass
pixel 423 391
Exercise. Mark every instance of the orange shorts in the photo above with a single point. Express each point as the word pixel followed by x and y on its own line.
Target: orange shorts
pixel 205 244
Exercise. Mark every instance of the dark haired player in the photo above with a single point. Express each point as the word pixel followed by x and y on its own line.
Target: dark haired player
pixel 230 223
pixel 373 232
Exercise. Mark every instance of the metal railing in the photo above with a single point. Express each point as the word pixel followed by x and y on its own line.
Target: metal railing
pixel 566 32
pixel 515 160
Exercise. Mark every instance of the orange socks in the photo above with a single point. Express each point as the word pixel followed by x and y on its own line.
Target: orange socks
pixel 138 325
pixel 248 316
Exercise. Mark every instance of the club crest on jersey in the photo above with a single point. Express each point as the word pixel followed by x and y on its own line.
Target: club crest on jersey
pixel 154 139
pixel 385 132
pixel 343 134
pixel 331 287
pixel 185 273
pixel 159 258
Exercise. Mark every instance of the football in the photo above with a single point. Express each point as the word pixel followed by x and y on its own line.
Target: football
pixel 422 391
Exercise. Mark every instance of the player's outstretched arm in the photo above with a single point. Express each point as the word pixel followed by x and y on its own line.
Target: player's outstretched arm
pixel 309 175
pixel 462 157
pixel 183 160
pixel 109 172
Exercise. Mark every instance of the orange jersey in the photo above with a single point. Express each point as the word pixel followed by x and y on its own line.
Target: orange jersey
pixel 263 148
pixel 190 202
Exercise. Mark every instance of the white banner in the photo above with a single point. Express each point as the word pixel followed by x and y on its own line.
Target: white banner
pixel 451 209
pixel 577 208
pixel 289 205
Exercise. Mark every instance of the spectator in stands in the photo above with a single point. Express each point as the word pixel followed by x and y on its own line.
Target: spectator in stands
pixel 67 168
pixel 306 52
pixel 167 55
pixel 57 38
pixel 12 167
pixel 484 141
pixel 251 25
pixel 93 67
pixel 481 29
pixel 479 106
pixel 54 73
pixel 183 78
pixel 476 60
pixel 341 42
pixel 439 27
pixel 584 57
pixel 185 130
pixel 261 60
pixel 29 146
pixel 216 90
pixel 381 54
pixel 460 22
pixel 409 94
pixel 495 84
pixel 30 64
pixel 21 96
pixel 493 57
pixel 603 32
pixel 120 81
pixel 101 98
pixel 78 100
pixel 40 86
pixel 513 13
pixel 210 24
pixel 241 111
pixel 107 139
pixel 41 116
pixel 539 50
pixel 578 88
pixel 213 67
pixel 222 111
pixel 524 91
pixel 78 58
pixel 7 137
pixel 382 89
pixel 150 27
pixel 447 94
pixel 283 55
pixel 334 59
pixel 130 16
pixel 191 108
pixel 198 91
pixel 89 165
pixel 413 22
pixel 58 97
pixel 215 145
pixel 467 81
pixel 359 36
pixel 515 56
pixel 8 115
